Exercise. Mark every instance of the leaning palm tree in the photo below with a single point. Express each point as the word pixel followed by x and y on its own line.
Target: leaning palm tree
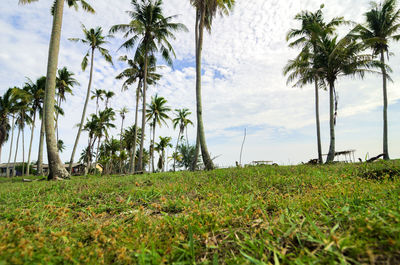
pixel 149 30
pixel 181 120
pixel 160 147
pixel 335 58
pixel 36 92
pixel 95 40
pixel 135 73
pixel 206 10
pixel 57 170
pixel 98 95
pixel 312 27
pixel 382 26
pixel 157 113
pixel 7 109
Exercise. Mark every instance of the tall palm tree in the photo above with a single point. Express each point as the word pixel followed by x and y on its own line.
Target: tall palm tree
pixel 206 10
pixel 382 26
pixel 95 39
pixel 108 95
pixel 135 73
pixel 150 31
pixel 160 147
pixel 181 120
pixel 36 92
pixel 98 95
pixel 57 170
pixel 7 109
pixel 157 112
pixel 335 58
pixel 312 27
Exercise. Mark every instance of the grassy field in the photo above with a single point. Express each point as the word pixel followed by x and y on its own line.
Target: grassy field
pixel 260 215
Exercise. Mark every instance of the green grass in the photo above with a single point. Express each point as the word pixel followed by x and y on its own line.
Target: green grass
pixel 261 215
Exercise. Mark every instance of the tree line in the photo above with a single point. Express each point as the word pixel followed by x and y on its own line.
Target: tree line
pixel 148 33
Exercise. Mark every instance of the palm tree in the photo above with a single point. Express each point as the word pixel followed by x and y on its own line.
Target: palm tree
pixel 135 73
pixel 123 113
pixel 160 147
pixel 312 26
pixel 337 58
pixel 182 121
pixel 187 154
pixel 108 95
pixel 150 31
pixel 57 170
pixel 36 93
pixel 7 109
pixel 60 145
pixel 104 123
pixel 64 84
pixel 98 95
pixel 130 138
pixel 382 26
pixel 206 10
pixel 157 113
pixel 95 40
pixel 91 127
pixel 23 99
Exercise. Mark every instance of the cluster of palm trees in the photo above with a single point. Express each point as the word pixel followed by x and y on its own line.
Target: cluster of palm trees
pixel 21 107
pixel 149 33
pixel 324 57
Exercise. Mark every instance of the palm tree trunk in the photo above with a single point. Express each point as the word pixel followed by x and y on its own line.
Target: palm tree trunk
pixel 208 163
pixel 98 152
pixel 331 154
pixel 197 149
pixel 176 149
pixel 385 110
pixel 140 160
pixel 23 151
pixel 57 170
pixel 16 152
pixel 11 146
pixel 120 144
pixel 133 154
pixel 320 160
pixel 83 114
pixel 187 138
pixel 197 152
pixel 163 160
pixel 30 144
pixel 154 145
pixel 41 147
pixel 150 146
pixel 57 114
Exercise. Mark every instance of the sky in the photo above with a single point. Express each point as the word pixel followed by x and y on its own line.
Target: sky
pixel 243 84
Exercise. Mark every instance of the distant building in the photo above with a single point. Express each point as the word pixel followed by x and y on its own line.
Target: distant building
pixel 3 169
